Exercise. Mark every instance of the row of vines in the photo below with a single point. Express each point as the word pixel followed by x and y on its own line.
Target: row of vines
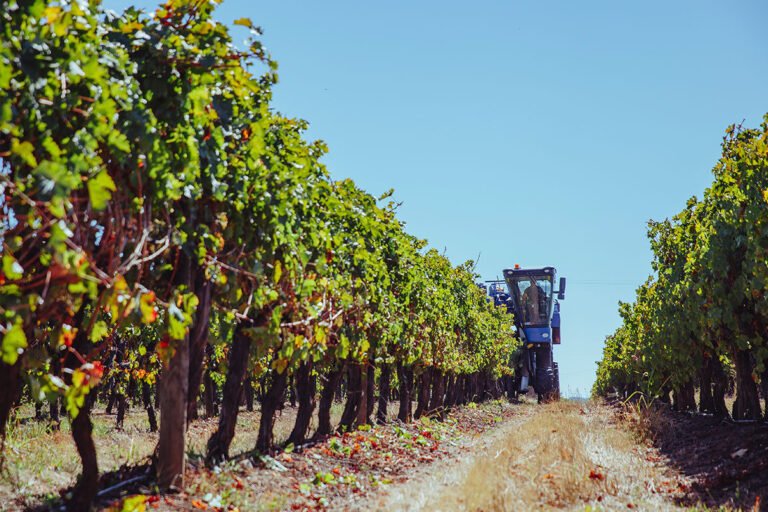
pixel 165 233
pixel 700 322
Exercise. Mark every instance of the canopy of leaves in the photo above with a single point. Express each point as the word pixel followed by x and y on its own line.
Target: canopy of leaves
pixel 707 296
pixel 132 143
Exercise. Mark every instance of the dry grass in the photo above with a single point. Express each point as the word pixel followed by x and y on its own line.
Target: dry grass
pixel 565 455
pixel 645 420
pixel 39 463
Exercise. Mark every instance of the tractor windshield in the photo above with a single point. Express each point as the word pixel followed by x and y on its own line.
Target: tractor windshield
pixel 533 298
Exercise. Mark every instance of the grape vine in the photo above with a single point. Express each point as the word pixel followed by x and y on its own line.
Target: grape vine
pixel 700 321
pixel 164 229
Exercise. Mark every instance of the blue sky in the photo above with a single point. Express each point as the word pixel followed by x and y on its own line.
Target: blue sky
pixel 539 133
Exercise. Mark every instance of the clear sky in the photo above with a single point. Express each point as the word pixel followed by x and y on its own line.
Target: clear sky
pixel 539 133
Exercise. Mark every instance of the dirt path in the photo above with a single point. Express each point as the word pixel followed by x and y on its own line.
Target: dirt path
pixel 565 455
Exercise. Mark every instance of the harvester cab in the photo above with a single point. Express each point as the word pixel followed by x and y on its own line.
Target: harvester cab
pixel 532 298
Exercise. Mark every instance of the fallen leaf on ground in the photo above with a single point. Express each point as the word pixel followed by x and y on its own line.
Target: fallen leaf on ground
pixel 595 474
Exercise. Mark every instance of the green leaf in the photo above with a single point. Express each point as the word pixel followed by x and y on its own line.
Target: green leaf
pixel 77 288
pixel 177 327
pixel 307 287
pixel 11 289
pixel 53 149
pixel 11 267
pixel 244 22
pixel 179 319
pixel 5 75
pixel 100 329
pixel 137 503
pixel 100 188
pixel 119 141
pixel 14 343
pixel 25 151
pixel 147 307
pixel 74 397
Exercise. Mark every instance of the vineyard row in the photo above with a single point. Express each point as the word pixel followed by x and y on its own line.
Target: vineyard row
pixel 700 321
pixel 163 229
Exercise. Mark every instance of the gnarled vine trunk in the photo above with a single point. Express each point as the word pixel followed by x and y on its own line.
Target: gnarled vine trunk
pixel 273 400
pixel 764 388
pixel 324 427
pixel 438 392
pixel 354 396
pixel 747 404
pixel 306 387
pixel 87 484
pixel 171 448
pixel 706 397
pixel 249 394
pixel 122 405
pixel 405 378
pixel 425 385
pixel 209 395
pixel 198 342
pixel 385 381
pixel 684 399
pixel 370 390
pixel 450 391
pixel 461 390
pixel 173 386
pixel 10 383
pixel 146 399
pixel 720 387
pixel 82 429
pixel 221 439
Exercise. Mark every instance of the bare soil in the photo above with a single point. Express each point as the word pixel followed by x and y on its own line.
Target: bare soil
pixel 725 462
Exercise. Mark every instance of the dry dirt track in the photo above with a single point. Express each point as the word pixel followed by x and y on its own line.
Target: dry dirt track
pixel 566 455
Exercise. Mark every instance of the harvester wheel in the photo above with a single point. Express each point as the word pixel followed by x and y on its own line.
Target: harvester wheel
pixel 546 383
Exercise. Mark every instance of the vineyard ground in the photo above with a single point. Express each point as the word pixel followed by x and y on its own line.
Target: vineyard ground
pixel 341 471
pixel 569 455
pixel 725 464
pixel 40 463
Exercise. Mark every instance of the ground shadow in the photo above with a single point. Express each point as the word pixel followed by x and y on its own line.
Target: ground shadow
pixel 113 485
pixel 727 461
